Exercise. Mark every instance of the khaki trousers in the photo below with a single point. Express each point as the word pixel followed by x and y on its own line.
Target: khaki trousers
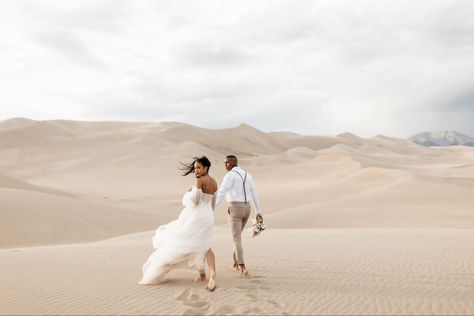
pixel 239 213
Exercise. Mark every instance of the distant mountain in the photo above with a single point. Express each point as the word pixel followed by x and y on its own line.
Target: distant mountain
pixel 442 138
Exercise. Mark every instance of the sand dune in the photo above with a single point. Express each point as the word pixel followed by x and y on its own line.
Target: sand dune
pixel 134 165
pixel 7 181
pixel 34 218
pixel 356 226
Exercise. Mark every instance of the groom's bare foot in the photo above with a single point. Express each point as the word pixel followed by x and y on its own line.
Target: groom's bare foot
pixel 200 278
pixel 234 267
pixel 243 270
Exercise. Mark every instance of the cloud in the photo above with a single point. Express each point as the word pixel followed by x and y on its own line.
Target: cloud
pixel 85 15
pixel 315 67
pixel 462 103
pixel 204 53
pixel 70 46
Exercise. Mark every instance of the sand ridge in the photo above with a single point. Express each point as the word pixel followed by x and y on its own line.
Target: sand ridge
pixel 356 225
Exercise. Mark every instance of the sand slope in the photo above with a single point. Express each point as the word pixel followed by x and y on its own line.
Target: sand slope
pixel 356 226
pixel 34 218
pixel 303 181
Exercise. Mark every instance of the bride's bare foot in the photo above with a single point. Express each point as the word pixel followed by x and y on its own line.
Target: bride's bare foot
pixel 200 278
pixel 211 286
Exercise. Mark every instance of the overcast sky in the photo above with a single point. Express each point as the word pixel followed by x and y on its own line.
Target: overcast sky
pixel 314 67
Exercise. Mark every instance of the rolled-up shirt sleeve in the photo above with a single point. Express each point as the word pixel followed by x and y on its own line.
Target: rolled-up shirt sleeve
pixel 225 187
pixel 254 195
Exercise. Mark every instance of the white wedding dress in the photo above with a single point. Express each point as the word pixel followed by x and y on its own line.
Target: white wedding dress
pixel 183 242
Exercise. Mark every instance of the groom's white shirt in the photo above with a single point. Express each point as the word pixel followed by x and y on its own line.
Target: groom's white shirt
pixel 232 188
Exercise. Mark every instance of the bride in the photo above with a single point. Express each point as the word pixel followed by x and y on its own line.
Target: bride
pixel 186 241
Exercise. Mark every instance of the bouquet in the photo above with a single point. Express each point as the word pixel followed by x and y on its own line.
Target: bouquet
pixel 258 226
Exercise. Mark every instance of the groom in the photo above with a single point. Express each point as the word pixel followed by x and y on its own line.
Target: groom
pixel 239 189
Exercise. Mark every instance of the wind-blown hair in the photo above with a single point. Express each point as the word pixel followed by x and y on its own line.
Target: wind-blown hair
pixel 188 168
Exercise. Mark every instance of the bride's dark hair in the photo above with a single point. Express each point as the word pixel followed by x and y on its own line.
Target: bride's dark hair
pixel 188 168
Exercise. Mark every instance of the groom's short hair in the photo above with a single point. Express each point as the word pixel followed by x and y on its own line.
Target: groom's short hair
pixel 233 158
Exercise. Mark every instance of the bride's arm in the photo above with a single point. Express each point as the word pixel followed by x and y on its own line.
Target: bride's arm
pixel 196 192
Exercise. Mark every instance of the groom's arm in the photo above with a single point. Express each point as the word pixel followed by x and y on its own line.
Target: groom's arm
pixel 225 187
pixel 254 195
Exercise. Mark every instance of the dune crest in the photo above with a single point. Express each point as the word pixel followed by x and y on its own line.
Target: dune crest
pixel 355 226
pixel 134 167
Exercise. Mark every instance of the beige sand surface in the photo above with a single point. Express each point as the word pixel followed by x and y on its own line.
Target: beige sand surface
pixel 365 226
pixel 294 271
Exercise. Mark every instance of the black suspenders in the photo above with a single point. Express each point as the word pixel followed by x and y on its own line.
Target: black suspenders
pixel 243 183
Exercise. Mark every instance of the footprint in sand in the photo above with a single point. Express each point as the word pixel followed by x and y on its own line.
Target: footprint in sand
pixel 252 296
pixel 274 303
pixel 192 312
pixel 225 309
pixel 255 297
pixel 183 295
pixel 193 300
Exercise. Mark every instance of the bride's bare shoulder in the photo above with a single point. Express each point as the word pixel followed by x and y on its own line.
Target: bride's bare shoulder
pixel 214 184
pixel 199 183
pixel 212 181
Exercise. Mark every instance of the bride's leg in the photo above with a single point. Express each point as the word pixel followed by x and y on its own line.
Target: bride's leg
pixel 200 278
pixel 202 275
pixel 211 262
